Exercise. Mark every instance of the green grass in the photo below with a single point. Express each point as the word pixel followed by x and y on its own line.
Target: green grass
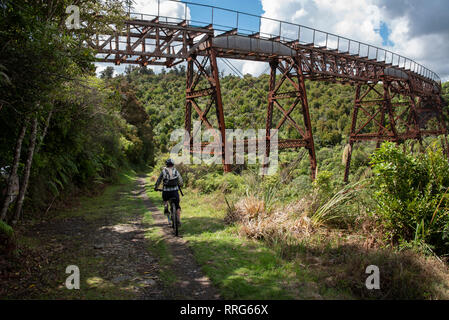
pixel 322 265
pixel 328 264
pixel 240 268
pixel 116 201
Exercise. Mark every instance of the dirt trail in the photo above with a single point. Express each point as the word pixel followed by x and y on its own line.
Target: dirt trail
pixel 192 283
pixel 111 249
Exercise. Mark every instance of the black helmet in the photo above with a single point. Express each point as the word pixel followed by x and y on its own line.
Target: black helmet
pixel 169 163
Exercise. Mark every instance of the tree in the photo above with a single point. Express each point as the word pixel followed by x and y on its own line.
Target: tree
pixel 146 71
pixel 107 73
pixel 40 55
pixel 4 80
pixel 13 174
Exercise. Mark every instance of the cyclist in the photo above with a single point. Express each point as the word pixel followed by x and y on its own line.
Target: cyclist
pixel 171 180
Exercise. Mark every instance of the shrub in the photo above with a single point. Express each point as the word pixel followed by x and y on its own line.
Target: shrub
pixel 411 194
pixel 6 230
pixel 225 183
pixel 7 238
pixel 323 183
pixel 231 182
pixel 208 183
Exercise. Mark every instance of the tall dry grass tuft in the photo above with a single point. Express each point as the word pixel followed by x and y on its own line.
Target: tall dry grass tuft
pixel 299 219
pixel 251 207
pixel 272 226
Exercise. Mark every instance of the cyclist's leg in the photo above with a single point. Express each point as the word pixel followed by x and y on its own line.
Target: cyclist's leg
pixel 172 207
pixel 165 198
pixel 167 211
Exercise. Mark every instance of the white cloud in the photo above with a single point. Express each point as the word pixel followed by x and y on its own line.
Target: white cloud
pixel 357 19
pixel 420 32
pixel 100 66
pixel 165 8
pixel 254 68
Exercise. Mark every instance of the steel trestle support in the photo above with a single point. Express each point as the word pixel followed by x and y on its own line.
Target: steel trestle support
pixel 398 113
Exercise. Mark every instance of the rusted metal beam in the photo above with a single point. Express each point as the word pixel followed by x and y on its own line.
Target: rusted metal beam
pixel 353 129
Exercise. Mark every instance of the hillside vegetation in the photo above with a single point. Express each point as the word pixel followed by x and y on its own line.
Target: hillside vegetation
pixel 63 131
pixel 396 199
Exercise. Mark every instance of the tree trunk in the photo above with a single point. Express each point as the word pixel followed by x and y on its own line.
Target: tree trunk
pixel 13 172
pixel 26 175
pixel 44 133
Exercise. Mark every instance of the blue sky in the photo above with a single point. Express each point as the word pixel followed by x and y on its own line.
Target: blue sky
pixel 253 7
pixel 250 6
pixel 223 19
pixel 385 32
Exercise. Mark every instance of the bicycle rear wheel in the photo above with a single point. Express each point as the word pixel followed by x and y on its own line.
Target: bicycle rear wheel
pixel 175 220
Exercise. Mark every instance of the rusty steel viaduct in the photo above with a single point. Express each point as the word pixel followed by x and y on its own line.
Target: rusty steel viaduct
pixel 396 99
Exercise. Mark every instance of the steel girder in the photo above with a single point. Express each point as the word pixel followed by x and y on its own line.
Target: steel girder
pixel 335 66
pixel 150 42
pixel 290 72
pixel 154 42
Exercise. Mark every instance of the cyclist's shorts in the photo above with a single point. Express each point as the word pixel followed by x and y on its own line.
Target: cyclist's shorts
pixel 167 195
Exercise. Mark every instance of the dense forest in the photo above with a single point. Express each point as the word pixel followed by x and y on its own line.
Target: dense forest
pixel 62 129
pixel 66 132
pixel 245 101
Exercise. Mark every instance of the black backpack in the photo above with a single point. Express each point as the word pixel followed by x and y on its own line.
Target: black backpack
pixel 173 182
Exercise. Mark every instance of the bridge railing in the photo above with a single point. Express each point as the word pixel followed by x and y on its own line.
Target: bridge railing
pixel 224 20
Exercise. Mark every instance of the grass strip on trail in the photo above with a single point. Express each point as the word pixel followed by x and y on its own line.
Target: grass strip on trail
pixel 160 249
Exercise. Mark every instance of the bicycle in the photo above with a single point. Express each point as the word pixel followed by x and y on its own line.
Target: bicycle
pixel 172 213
